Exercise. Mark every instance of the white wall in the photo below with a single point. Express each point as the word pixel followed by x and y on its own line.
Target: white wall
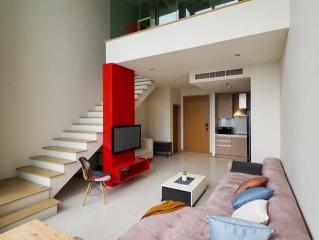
pixel 225 24
pixel 265 110
pixel 51 54
pixel 175 100
pixel 155 114
pixel 159 112
pixel 299 109
pixel 141 118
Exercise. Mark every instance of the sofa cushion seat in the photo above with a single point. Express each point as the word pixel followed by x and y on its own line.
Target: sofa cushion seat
pixel 185 224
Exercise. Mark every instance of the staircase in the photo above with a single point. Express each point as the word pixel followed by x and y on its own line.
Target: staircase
pixel 29 195
pixel 143 88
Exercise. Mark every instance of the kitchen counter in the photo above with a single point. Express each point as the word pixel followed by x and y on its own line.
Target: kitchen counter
pixel 232 135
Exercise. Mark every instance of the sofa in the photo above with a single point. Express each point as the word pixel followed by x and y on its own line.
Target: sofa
pixel 190 223
pixel 146 149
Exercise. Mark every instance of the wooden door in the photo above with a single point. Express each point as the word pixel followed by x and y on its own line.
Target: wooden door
pixel 176 126
pixel 196 124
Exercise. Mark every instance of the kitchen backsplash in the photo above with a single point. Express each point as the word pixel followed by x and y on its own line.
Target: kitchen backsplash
pixel 239 124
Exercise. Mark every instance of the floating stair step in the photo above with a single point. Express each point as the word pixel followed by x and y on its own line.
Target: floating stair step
pixel 70 142
pixel 27 212
pixel 148 83
pixel 16 188
pixel 95 114
pixel 98 108
pixel 74 140
pixel 91 120
pixel 82 132
pixel 87 126
pixel 142 79
pixel 48 159
pixel 63 149
pixel 42 172
pixel 140 92
pixel 140 87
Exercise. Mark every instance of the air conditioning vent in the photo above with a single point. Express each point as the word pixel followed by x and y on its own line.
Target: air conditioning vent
pixel 224 73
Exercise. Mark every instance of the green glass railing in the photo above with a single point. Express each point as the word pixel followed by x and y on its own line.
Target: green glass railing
pixel 128 16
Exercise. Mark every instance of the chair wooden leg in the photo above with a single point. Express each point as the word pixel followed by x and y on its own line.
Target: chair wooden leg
pixel 102 191
pixel 88 190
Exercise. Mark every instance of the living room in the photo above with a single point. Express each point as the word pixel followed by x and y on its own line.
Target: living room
pixel 260 62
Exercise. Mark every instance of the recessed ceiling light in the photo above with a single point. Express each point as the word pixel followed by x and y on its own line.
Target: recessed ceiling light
pixel 237 54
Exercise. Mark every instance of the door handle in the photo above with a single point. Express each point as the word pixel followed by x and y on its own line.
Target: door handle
pixel 206 126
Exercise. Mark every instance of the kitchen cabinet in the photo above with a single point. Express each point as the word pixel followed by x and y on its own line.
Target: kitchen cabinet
pixel 224 105
pixel 232 146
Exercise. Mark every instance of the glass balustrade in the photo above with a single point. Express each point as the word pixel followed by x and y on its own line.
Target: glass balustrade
pixel 129 16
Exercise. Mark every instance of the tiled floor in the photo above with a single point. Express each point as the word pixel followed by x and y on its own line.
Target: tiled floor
pixel 127 203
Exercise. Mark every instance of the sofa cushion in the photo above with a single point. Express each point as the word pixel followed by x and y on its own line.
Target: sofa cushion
pixel 246 167
pixel 251 183
pixel 186 224
pixel 220 201
pixel 254 211
pixel 251 195
pixel 223 228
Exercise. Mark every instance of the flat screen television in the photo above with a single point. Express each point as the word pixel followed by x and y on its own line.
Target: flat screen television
pixel 126 138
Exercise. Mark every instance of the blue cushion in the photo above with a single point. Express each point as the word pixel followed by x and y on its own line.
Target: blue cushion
pixel 227 228
pixel 251 195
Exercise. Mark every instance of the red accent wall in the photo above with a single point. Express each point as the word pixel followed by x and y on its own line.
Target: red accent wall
pixel 118 110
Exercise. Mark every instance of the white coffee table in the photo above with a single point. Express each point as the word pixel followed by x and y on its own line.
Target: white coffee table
pixel 189 194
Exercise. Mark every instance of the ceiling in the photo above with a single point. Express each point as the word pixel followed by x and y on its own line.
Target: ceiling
pixel 173 68
pixel 225 85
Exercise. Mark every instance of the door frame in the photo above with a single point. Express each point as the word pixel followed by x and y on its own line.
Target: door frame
pixel 211 119
pixel 178 106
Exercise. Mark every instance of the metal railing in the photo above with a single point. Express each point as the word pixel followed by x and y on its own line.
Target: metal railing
pixel 129 16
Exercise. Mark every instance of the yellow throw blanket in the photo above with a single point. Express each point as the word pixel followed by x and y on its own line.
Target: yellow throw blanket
pixel 165 207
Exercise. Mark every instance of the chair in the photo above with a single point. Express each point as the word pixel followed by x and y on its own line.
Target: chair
pixel 96 179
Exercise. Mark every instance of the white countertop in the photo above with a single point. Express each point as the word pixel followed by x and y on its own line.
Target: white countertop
pixel 232 135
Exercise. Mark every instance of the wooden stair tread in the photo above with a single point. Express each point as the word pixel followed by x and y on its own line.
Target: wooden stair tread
pixel 39 171
pixel 28 211
pixel 54 160
pixel 81 131
pixel 16 188
pixel 74 140
pixel 64 149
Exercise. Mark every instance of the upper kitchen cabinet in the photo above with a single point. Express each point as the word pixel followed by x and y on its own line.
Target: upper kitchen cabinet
pixel 224 105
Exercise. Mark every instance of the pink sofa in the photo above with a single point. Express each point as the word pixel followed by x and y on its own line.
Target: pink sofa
pixel 191 224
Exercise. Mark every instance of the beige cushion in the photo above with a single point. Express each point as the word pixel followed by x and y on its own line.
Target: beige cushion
pixel 254 211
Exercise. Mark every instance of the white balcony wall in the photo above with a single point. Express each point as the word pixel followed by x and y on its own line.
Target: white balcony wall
pixel 248 18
